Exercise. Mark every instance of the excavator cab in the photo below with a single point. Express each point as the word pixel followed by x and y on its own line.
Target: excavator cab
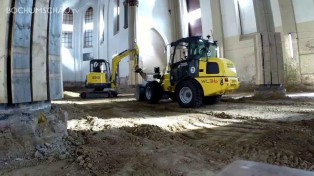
pixel 98 78
pixel 99 66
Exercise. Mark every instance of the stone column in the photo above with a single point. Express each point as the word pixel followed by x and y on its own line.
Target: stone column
pixel 132 25
pixel 32 49
pixel 218 33
pixel 271 81
pixel 177 11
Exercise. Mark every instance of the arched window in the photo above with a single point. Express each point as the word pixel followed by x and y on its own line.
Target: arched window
pixel 88 28
pixel 67 28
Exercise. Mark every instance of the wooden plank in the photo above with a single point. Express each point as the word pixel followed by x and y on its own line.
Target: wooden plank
pixel 274 59
pixel 266 59
pixel 4 19
pixel 20 53
pixel 259 59
pixel 39 52
pixel 54 52
pixel 267 65
pixel 280 63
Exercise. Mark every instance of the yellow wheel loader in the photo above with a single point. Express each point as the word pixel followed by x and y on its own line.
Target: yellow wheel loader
pixel 194 76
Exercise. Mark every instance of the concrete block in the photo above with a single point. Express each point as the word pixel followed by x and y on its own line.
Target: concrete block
pixel 306 63
pixel 270 92
pixel 21 132
pixel 306 46
pixel 307 79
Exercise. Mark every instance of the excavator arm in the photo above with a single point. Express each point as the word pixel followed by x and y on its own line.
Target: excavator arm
pixel 117 59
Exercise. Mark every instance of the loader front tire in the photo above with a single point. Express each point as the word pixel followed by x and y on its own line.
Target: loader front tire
pixel 189 94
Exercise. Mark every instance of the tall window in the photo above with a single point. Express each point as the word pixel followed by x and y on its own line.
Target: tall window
pixel 67 28
pixel 194 17
pixel 246 16
pixel 88 28
pixel 126 14
pixel 116 16
pixel 102 25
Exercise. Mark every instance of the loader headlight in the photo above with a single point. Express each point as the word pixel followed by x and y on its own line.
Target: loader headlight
pixel 192 70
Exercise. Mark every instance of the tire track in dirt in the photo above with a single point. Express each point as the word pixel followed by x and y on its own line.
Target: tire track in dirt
pixel 220 133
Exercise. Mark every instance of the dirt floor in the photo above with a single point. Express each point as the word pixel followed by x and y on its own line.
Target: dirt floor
pixel 123 137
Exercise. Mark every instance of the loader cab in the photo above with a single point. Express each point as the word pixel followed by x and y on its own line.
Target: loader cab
pixel 186 54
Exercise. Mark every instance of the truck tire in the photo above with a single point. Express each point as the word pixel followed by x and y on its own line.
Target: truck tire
pixel 211 100
pixel 140 93
pixel 152 92
pixel 189 94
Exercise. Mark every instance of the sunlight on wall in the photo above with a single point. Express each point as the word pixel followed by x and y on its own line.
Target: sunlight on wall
pixel 194 16
pixel 88 26
pixel 67 59
pixel 67 27
pixel 151 50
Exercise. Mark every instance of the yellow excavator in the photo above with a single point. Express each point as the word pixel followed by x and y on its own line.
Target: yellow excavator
pixel 102 83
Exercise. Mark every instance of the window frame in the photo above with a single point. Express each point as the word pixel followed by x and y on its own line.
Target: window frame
pixel 208 64
pixel 67 39
pixel 67 36
pixel 88 34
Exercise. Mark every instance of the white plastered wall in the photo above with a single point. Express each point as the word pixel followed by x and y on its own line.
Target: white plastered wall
pixel 304 15
pixel 240 51
pixel 153 33
pixel 74 68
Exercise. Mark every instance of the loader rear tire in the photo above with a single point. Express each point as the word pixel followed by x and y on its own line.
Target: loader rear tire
pixel 140 93
pixel 211 100
pixel 153 92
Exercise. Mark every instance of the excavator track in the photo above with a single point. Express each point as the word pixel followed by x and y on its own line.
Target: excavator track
pixel 98 94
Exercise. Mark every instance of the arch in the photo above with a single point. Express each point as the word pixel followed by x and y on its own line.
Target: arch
pixel 165 40
pixel 151 48
pixel 68 16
